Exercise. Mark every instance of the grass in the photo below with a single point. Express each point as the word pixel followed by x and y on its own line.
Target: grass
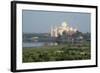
pixel 57 53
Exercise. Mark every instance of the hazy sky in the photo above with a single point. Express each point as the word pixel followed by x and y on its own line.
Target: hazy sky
pixel 41 21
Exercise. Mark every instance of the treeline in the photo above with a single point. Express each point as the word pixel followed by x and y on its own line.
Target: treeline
pixel 57 53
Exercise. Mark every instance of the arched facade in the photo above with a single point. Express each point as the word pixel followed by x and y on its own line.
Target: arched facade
pixel 58 30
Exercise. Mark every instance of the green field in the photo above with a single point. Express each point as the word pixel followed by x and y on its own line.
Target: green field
pixel 60 52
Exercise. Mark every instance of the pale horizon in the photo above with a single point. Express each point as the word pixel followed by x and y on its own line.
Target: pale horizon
pixel 41 21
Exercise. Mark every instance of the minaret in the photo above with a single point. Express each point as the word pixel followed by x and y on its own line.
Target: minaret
pixel 77 27
pixel 55 31
pixel 51 31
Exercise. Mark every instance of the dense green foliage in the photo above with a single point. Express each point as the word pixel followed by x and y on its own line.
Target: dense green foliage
pixel 57 53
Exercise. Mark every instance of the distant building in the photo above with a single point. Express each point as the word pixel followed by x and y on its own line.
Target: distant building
pixel 59 30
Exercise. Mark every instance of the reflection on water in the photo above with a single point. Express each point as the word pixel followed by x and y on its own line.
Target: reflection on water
pixel 38 44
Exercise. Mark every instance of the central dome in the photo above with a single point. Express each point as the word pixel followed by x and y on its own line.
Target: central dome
pixel 64 24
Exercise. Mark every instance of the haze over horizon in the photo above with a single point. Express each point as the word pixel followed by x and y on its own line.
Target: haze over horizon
pixel 41 21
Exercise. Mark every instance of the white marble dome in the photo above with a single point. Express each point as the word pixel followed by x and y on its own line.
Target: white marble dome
pixel 64 24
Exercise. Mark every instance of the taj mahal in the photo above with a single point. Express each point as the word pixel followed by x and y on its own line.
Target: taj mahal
pixel 64 27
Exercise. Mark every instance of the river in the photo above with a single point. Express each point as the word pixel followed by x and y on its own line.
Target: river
pixel 38 44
